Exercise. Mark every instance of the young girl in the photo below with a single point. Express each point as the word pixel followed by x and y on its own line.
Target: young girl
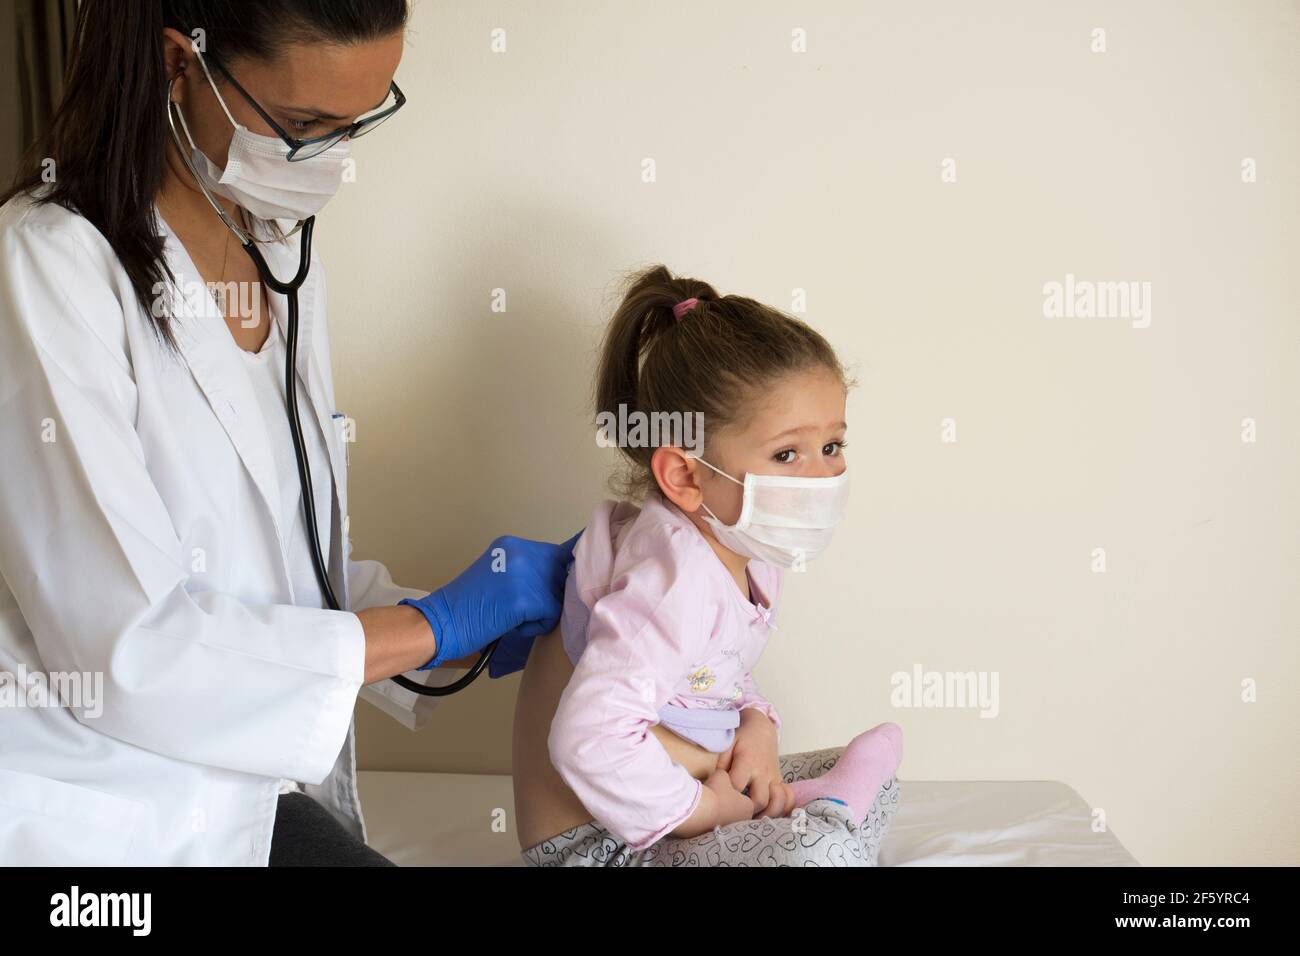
pixel 645 716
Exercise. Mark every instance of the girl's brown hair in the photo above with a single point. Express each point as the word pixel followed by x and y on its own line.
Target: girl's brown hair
pixel 716 360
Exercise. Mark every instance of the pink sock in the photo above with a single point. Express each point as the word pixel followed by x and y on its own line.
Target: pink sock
pixel 871 758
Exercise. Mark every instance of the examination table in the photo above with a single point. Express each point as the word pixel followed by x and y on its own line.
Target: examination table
pixel 446 819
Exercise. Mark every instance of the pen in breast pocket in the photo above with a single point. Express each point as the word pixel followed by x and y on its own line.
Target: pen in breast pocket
pixel 341 429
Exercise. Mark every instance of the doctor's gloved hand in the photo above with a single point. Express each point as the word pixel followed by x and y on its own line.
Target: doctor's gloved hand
pixel 514 590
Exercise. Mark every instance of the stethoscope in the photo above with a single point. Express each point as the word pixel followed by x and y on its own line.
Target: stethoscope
pixel 290 291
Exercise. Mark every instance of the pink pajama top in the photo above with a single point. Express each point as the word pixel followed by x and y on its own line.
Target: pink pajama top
pixel 658 632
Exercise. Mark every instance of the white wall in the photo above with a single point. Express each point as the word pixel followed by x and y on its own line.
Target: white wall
pixel 821 171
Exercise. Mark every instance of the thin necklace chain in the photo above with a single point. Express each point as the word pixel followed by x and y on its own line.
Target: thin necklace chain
pixel 218 288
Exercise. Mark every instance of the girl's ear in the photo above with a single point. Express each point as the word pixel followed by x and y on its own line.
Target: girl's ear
pixel 677 475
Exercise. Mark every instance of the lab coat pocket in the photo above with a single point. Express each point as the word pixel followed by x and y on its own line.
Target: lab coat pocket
pixel 46 822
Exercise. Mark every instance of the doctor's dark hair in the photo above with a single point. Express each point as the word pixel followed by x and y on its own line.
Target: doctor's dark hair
pixel 717 359
pixel 108 137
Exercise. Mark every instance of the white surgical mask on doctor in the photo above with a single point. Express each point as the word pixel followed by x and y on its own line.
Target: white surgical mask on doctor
pixel 784 519
pixel 260 178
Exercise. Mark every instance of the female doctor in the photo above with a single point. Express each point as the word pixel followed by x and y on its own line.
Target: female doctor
pixel 174 686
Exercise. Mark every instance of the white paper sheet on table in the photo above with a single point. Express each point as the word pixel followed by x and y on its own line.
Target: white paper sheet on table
pixel 446 819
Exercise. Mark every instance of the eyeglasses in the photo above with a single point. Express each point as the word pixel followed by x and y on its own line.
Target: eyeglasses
pixel 300 149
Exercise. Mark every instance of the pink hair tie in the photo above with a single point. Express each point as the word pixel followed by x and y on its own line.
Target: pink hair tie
pixel 681 308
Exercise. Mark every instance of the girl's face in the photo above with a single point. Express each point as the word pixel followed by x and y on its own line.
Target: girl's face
pixel 798 431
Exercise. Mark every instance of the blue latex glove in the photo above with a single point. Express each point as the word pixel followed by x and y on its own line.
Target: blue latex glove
pixel 512 653
pixel 514 589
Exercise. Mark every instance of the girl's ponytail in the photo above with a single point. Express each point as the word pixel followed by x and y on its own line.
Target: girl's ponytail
pixel 644 317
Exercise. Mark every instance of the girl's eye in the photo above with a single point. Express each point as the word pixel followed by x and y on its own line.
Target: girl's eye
pixel 785 456
pixel 833 448
pixel 301 126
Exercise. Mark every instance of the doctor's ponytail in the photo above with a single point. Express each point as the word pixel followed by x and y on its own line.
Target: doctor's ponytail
pixel 674 345
pixel 104 152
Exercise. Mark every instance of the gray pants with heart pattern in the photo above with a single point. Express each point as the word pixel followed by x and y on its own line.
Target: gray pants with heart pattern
pixel 822 833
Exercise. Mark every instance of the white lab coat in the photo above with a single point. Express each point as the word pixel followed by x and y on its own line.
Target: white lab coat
pixel 139 540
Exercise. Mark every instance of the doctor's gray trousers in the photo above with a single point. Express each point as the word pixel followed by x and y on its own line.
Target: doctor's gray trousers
pixel 305 834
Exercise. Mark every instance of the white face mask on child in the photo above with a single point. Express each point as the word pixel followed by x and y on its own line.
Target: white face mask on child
pixel 784 519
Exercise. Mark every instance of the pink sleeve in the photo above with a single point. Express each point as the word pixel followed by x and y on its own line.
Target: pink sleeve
pixel 642 638
pixel 752 698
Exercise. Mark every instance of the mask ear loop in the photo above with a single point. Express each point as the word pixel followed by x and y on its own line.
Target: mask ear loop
pixel 194 45
pixel 718 470
pixel 746 499
pixel 174 110
pixel 244 237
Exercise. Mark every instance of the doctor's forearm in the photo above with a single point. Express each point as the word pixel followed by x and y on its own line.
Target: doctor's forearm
pixel 398 639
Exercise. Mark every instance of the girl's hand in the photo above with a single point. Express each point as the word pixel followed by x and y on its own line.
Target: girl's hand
pixel 720 804
pixel 729 804
pixel 751 761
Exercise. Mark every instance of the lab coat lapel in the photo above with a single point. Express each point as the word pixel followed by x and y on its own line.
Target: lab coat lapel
pixel 211 354
pixel 205 342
